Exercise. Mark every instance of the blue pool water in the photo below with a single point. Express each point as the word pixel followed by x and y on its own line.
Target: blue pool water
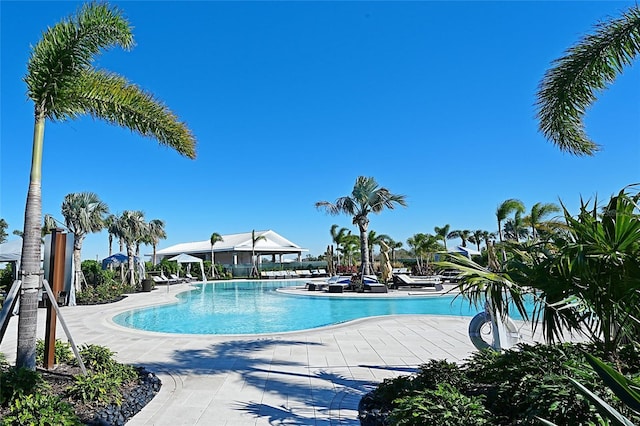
pixel 246 307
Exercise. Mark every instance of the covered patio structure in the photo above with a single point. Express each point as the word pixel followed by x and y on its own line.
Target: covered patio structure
pixel 237 249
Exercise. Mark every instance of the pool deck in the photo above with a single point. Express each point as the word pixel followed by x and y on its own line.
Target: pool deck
pixel 312 377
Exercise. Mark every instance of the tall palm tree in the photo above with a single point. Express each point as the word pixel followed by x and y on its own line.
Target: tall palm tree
pixel 338 237
pixel 569 88
pixel 254 239
pixel 512 205
pixel 132 229
pixel 374 239
pixel 215 238
pixel 109 223
pixel 416 243
pixel 442 233
pixel 83 213
pixel 477 237
pixel 156 233
pixel 63 84
pixel 515 228
pixel 463 234
pixel 366 197
pixel 394 245
pixel 538 212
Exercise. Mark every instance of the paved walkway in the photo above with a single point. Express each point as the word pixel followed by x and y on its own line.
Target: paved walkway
pixel 313 377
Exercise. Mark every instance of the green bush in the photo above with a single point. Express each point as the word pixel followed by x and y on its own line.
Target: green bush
pixel 99 359
pixel 443 406
pixel 62 352
pixel 516 385
pixel 6 278
pixel 40 409
pixel 96 387
pixel 18 382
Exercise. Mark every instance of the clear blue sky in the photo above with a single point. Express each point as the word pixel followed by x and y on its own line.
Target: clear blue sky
pixel 291 101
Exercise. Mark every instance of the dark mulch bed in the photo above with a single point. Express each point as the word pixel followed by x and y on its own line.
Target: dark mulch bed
pixel 135 396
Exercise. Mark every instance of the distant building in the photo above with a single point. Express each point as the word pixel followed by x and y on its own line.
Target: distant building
pixel 235 249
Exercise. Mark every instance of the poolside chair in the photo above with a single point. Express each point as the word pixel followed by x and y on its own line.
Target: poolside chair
pixel 402 280
pixel 158 280
pixel 190 277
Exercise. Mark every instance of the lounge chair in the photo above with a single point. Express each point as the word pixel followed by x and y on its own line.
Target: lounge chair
pixel 158 280
pixel 177 278
pixel 402 280
pixel 190 277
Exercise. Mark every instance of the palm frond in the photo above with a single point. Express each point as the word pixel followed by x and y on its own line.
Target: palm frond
pixel 570 86
pixel 112 98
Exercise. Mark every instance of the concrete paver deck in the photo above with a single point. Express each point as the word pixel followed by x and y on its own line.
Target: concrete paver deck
pixel 312 377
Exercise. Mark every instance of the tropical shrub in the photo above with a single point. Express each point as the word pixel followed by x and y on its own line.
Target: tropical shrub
pixel 19 382
pixel 514 387
pixel 444 405
pixel 100 359
pixel 62 352
pixel 96 387
pixel 40 409
pixel 585 277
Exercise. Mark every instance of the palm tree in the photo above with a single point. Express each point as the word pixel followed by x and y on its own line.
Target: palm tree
pixel 538 212
pixel 416 244
pixel 477 237
pixel 463 234
pixel 109 223
pixel 568 88
pixel 338 237
pixel 215 238
pixel 156 233
pixel 442 234
pixel 254 240
pixel 394 245
pixel 366 197
pixel 515 228
pixel 374 239
pixel 63 84
pixel 505 209
pixel 131 230
pixel 83 213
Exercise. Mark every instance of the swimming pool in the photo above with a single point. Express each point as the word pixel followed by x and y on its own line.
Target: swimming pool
pixel 254 307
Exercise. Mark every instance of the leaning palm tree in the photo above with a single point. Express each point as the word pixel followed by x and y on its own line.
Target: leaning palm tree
pixel 366 197
pixel 83 213
pixel 215 238
pixel 569 87
pixel 442 233
pixel 156 233
pixel 507 207
pixel 538 212
pixel 63 84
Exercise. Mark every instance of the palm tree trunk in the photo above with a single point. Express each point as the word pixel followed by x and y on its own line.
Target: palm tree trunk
pixel 77 262
pixel 364 249
pixel 30 258
pixel 130 255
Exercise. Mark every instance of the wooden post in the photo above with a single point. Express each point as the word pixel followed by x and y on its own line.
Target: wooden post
pixel 58 244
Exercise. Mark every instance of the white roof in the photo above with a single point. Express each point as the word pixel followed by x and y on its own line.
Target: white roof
pixel 11 251
pixel 273 242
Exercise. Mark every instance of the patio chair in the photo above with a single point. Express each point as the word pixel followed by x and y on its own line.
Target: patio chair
pixel 402 280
